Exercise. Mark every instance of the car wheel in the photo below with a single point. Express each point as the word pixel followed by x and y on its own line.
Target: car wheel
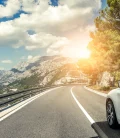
pixel 111 115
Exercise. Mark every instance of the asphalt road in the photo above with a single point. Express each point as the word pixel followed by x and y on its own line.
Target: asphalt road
pixel 56 115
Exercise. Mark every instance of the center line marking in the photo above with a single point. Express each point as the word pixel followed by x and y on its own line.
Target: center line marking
pixel 82 108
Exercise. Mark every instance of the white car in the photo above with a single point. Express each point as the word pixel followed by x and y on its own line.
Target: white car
pixel 113 107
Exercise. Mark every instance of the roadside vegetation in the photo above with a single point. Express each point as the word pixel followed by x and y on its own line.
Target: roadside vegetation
pixel 104 47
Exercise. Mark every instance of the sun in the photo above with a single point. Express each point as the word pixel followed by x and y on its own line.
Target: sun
pixel 85 53
pixel 76 52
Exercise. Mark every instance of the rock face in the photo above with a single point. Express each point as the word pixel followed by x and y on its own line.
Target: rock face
pixel 43 71
pixel 106 79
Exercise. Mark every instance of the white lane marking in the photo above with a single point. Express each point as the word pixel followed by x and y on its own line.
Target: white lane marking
pixel 82 108
pixel 25 103
pixel 96 92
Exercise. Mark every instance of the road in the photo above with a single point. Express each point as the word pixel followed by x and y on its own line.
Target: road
pixel 57 115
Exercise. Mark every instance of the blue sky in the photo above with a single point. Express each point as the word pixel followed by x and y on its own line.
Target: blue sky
pixel 54 2
pixel 15 55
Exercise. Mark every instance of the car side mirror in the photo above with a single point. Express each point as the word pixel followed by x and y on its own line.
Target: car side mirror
pixel 119 83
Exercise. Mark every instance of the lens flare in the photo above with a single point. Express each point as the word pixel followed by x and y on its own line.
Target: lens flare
pixel 76 52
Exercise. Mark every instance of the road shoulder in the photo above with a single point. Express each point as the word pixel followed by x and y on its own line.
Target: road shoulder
pixel 96 92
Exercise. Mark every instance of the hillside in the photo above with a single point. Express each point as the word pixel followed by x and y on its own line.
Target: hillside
pixel 48 70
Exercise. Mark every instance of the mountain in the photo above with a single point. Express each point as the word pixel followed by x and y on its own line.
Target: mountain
pixel 1 73
pixel 16 70
pixel 46 70
pixel 21 66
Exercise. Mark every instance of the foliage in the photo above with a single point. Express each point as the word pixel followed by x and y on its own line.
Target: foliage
pixel 105 88
pixel 26 83
pixel 91 68
pixel 105 44
pixel 110 16
pixel 105 48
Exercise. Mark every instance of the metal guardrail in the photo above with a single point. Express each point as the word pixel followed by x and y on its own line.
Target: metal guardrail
pixel 9 99
pixel 14 93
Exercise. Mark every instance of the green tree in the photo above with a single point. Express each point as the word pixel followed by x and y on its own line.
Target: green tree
pixel 110 16
pixel 91 68
pixel 105 44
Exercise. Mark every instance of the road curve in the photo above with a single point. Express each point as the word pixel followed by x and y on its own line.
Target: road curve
pixel 56 115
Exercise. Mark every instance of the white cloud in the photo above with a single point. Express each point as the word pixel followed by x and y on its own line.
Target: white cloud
pixel 55 27
pixel 6 61
pixel 23 57
pixel 1 68
pixel 41 40
pixel 32 59
pixel 11 35
pixel 52 52
pixel 56 47
pixel 56 20
pixel 11 7
pixel 94 4
pixel 32 6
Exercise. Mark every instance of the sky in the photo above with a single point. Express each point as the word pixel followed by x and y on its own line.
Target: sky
pixel 33 28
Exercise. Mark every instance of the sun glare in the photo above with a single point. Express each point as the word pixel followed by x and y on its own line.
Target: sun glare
pixel 76 52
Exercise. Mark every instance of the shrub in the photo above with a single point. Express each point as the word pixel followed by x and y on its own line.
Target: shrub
pixel 105 88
